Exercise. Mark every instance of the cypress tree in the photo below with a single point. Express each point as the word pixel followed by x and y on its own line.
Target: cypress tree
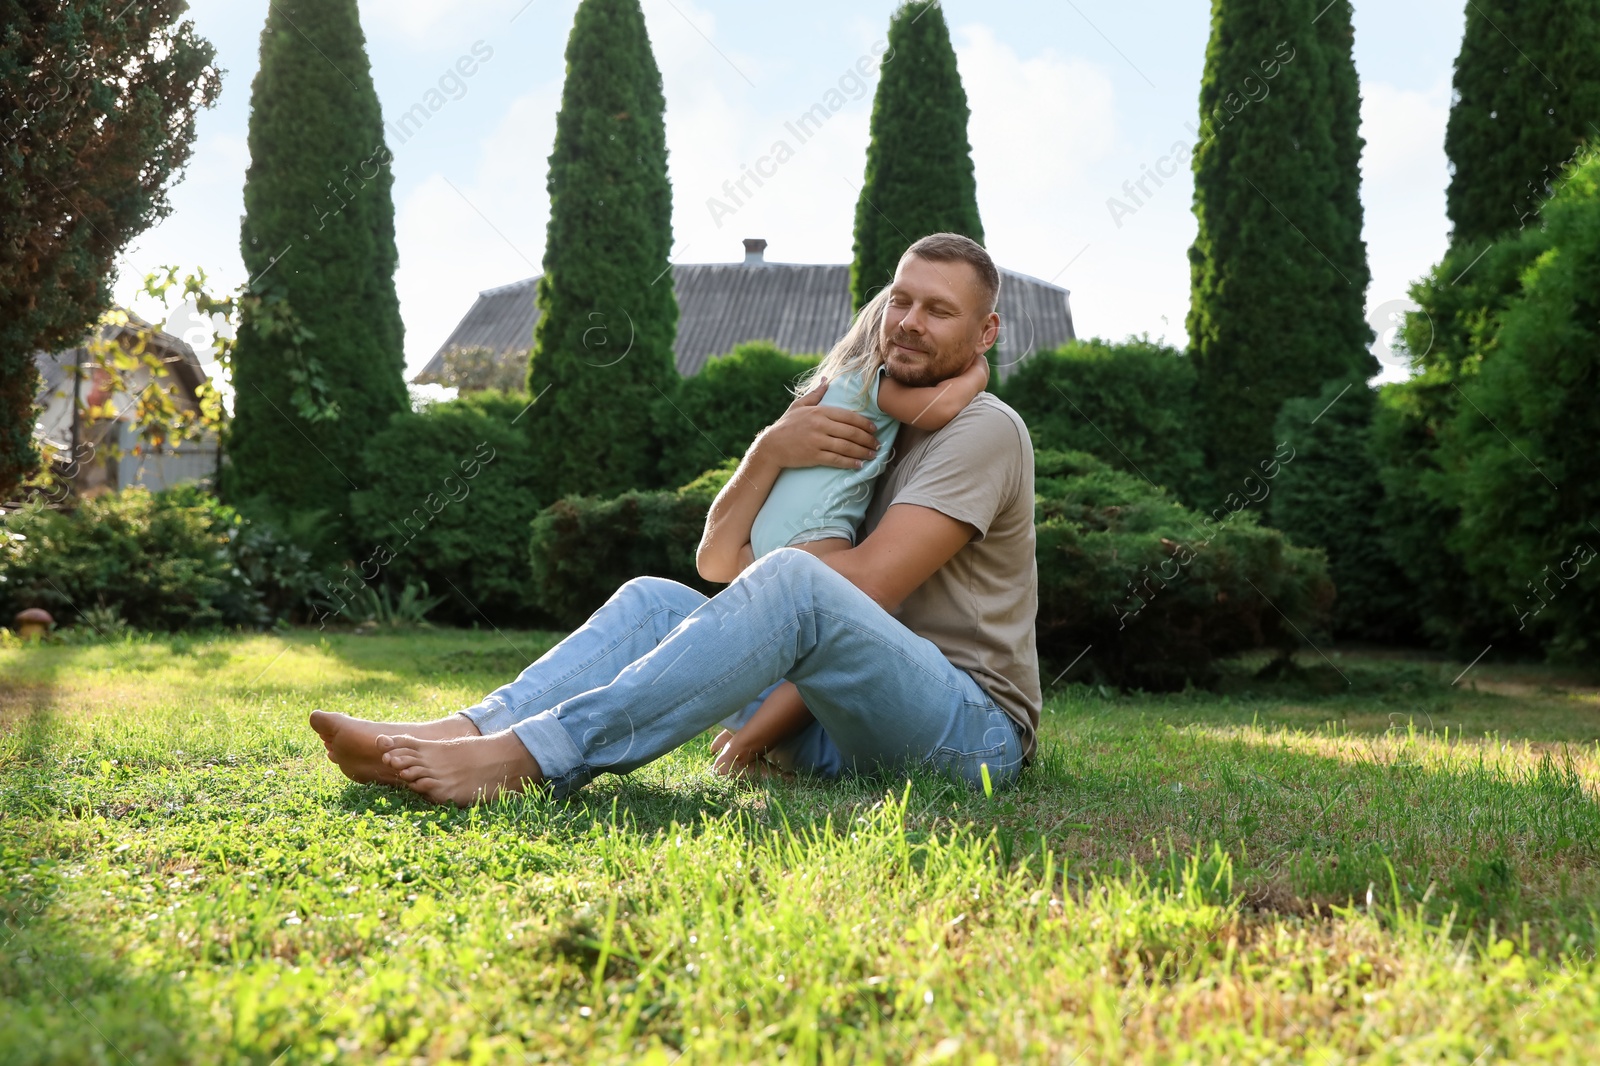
pixel 1329 495
pixel 1345 313
pixel 602 347
pixel 919 177
pixel 1277 276
pixel 1527 93
pixel 319 367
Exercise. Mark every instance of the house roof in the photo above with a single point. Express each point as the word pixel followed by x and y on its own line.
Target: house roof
pixel 800 307
pixel 55 368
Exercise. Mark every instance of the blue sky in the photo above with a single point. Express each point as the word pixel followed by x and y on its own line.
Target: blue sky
pixel 1069 101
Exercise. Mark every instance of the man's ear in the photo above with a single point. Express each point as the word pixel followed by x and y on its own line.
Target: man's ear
pixel 991 332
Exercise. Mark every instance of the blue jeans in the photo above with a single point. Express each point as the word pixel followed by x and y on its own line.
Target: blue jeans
pixel 660 663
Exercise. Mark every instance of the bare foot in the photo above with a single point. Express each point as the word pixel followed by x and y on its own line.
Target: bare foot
pixel 352 743
pixel 464 770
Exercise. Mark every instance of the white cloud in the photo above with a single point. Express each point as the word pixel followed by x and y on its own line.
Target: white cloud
pixel 719 124
pixel 1404 174
pixel 1043 128
pixel 1037 123
pixel 1404 130
pixel 459 234
pixel 421 19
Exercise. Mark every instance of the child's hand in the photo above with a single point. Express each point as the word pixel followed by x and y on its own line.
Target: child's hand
pixel 735 759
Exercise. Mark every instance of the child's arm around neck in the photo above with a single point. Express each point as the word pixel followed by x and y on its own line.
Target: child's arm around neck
pixel 932 407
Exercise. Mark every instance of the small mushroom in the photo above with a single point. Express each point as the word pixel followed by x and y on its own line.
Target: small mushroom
pixel 33 623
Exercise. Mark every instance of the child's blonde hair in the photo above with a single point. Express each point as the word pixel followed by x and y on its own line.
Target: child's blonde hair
pixel 859 351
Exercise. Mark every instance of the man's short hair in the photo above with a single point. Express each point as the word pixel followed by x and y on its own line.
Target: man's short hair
pixel 953 247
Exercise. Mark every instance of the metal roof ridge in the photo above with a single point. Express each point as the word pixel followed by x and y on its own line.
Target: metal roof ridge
pixel 501 289
pixel 1008 272
pixel 738 265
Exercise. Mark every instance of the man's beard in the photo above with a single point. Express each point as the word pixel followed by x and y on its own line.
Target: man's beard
pixel 930 370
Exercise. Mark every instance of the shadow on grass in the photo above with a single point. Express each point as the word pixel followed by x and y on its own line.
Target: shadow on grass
pixel 28 718
pixel 68 998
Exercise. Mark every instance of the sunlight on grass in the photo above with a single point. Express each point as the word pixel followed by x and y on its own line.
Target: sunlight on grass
pixel 1411 742
pixel 1248 876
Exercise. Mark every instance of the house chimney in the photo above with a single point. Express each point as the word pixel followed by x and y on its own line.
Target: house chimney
pixel 753 249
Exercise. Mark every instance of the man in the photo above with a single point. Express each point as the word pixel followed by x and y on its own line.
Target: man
pixel 913 647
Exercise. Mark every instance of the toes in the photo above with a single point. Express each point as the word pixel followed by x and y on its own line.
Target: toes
pixel 427 787
pixel 400 758
pixel 413 773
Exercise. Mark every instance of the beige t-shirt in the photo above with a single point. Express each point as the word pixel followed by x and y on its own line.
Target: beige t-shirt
pixel 979 607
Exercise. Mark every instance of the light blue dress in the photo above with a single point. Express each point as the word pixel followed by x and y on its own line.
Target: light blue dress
pixel 816 502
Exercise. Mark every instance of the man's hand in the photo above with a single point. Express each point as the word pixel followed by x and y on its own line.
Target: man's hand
pixel 808 434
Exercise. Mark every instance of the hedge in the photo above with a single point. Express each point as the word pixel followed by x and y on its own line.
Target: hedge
pixel 1151 593
pixel 1102 537
pixel 448 502
pixel 1131 404
pixel 1330 497
pixel 583 548
pixel 714 415
pixel 161 560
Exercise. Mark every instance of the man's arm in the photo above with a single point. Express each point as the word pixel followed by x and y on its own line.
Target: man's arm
pixel 970 471
pixel 806 435
pixel 907 546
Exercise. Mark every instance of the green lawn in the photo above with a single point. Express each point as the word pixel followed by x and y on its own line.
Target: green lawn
pixel 1393 869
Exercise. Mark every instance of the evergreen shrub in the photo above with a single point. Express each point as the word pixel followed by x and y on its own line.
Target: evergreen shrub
pixel 714 415
pixel 1132 405
pixel 1156 592
pixel 1331 497
pixel 1520 453
pixel 449 505
pixel 161 560
pixel 1104 536
pixel 583 548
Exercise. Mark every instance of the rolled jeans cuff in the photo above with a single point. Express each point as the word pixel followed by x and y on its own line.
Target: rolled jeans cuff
pixel 560 760
pixel 546 739
pixel 490 716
